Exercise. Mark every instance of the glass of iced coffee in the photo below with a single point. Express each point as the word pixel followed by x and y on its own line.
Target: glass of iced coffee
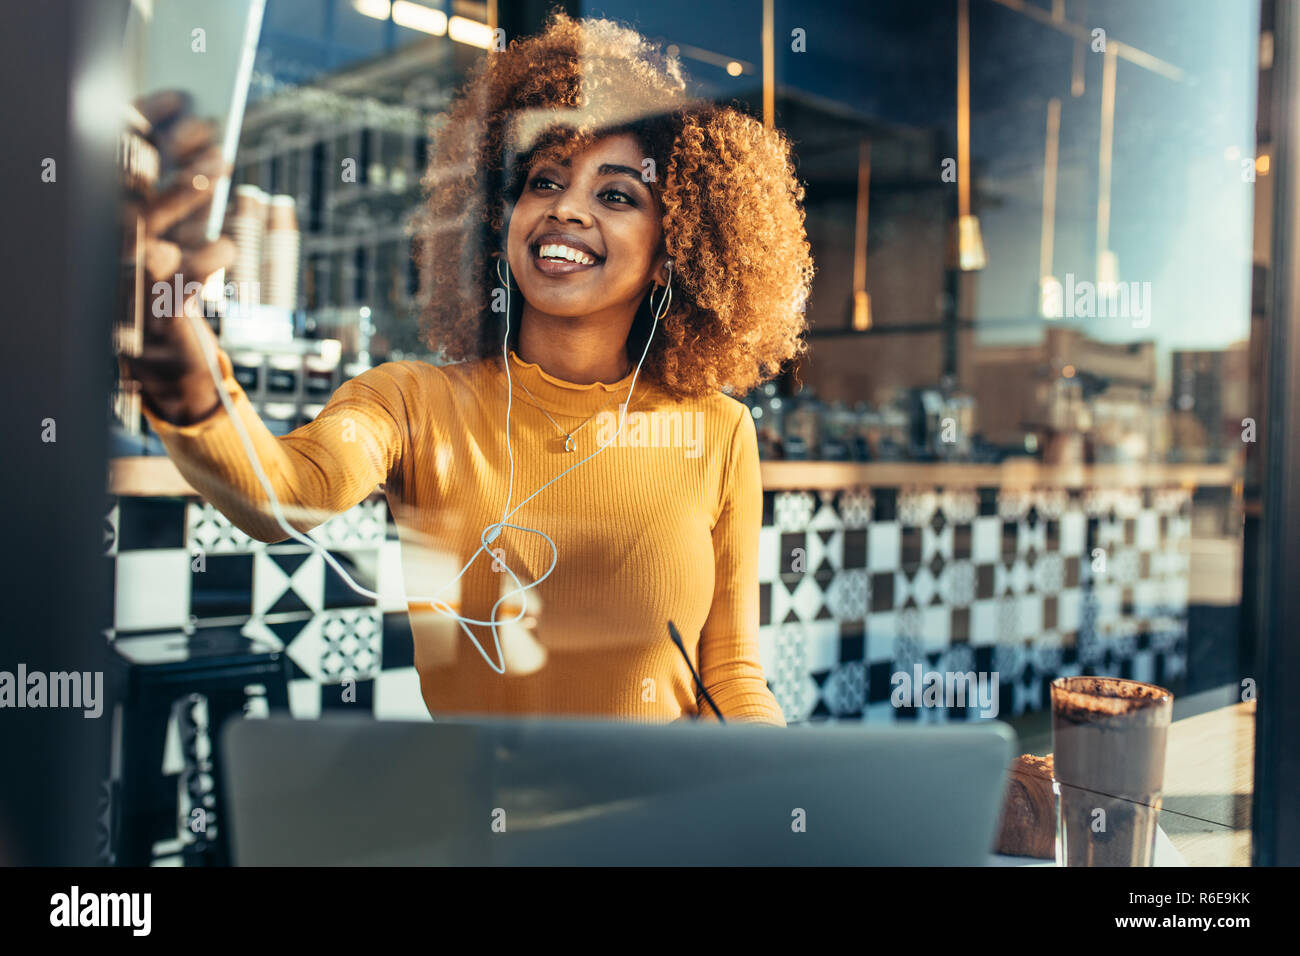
pixel 1108 739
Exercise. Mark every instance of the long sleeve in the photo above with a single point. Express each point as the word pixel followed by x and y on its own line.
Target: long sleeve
pixel 320 469
pixel 729 663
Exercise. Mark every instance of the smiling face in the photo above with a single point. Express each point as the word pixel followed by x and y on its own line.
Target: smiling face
pixel 585 236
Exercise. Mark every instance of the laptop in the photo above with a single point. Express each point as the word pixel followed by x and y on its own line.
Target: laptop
pixel 351 790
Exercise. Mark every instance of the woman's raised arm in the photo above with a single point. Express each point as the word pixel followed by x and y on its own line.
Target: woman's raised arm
pixel 320 469
pixel 316 471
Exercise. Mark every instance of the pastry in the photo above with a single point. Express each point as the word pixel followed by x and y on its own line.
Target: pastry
pixel 1028 823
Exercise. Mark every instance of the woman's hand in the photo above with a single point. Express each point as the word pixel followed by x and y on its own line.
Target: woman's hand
pixel 166 234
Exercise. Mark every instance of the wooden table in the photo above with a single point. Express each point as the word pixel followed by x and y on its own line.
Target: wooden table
pixel 1209 781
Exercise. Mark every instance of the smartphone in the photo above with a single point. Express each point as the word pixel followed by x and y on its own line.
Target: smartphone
pixel 205 50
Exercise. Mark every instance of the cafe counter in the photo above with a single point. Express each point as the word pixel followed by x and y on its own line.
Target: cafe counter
pixel 1029 570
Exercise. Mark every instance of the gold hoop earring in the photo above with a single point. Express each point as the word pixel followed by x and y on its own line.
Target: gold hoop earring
pixel 665 300
pixel 505 280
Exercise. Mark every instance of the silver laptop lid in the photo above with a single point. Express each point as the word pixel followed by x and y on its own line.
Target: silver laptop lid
pixel 484 791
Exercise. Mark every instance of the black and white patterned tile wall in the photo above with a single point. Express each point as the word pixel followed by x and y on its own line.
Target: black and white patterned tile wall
pixel 859 584
pixel 855 585
pixel 180 570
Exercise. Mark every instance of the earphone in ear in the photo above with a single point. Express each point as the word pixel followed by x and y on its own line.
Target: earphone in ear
pixel 658 311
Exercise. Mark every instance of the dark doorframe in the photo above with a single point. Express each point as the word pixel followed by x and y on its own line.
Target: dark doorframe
pixel 1276 803
pixel 60 196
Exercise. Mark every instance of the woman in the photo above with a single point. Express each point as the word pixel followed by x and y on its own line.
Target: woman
pixel 576 251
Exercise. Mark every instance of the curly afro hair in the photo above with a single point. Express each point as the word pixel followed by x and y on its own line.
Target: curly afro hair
pixel 726 187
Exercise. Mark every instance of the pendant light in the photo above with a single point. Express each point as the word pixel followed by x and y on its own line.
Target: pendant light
pixel 861 300
pixel 1107 261
pixel 1049 287
pixel 969 242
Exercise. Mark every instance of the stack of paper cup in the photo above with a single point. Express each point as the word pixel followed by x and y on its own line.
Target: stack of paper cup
pixel 247 225
pixel 280 254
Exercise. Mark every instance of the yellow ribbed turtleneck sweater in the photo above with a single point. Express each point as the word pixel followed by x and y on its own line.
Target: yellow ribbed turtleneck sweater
pixel 663 524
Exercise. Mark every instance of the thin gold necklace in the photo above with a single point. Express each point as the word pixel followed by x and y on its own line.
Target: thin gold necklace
pixel 569 443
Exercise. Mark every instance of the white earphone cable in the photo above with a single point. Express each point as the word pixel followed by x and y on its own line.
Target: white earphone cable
pixel 489 533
